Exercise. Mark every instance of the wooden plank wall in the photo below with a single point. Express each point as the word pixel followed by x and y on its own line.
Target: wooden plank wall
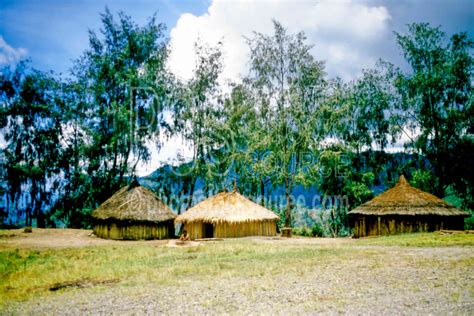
pixel 133 231
pixel 227 230
pixel 391 225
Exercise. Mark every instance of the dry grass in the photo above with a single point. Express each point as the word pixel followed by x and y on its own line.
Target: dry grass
pixel 27 273
pixel 229 207
pixel 403 199
pixel 134 203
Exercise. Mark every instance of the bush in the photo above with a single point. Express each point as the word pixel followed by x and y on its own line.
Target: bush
pixel 424 180
pixel 344 232
pixel 317 230
pixel 469 222
pixel 302 231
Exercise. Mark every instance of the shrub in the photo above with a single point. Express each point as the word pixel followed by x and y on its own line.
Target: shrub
pixel 302 231
pixel 469 222
pixel 317 230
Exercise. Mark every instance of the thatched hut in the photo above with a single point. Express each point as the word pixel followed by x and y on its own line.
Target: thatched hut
pixel 226 215
pixel 404 209
pixel 133 212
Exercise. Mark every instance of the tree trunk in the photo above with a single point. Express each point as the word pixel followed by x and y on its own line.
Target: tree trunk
pixel 27 217
pixel 191 192
pixel 288 204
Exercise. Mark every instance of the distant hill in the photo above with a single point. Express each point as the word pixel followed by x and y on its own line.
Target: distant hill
pixel 169 181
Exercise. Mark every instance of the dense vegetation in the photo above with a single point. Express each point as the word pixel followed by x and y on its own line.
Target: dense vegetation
pixel 71 142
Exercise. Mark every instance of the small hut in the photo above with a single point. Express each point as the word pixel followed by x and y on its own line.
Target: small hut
pixel 133 212
pixel 405 209
pixel 227 215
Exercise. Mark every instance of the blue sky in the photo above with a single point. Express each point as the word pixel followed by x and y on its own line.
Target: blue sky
pixel 55 32
pixel 52 33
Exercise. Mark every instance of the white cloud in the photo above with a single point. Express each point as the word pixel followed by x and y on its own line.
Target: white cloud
pixel 343 32
pixel 174 152
pixel 10 55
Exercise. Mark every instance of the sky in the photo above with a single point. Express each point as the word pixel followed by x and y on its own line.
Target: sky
pixel 347 35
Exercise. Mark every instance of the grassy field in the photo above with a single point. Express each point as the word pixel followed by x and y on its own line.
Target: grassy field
pixel 27 273
pixel 435 239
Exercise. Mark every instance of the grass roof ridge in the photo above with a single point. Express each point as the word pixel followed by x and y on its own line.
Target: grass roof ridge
pixel 134 203
pixel 403 199
pixel 230 207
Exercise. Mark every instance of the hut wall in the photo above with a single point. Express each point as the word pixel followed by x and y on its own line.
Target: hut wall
pixel 134 230
pixel 391 225
pixel 229 230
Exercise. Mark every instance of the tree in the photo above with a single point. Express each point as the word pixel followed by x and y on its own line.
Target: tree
pixel 196 119
pixel 372 100
pixel 287 82
pixel 31 125
pixel 437 96
pixel 121 82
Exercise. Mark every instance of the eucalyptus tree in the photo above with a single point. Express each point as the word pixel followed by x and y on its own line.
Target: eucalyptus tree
pixel 123 97
pixel 75 201
pixel 30 122
pixel 372 99
pixel 248 143
pixel 197 118
pixel 436 99
pixel 287 82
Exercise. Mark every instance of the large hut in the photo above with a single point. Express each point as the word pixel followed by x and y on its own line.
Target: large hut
pixel 404 209
pixel 226 215
pixel 133 212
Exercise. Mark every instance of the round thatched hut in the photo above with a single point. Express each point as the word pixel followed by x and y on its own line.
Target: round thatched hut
pixel 404 209
pixel 133 212
pixel 228 214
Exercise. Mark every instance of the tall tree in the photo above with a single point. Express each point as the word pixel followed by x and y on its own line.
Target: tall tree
pixel 288 82
pixel 437 95
pixel 31 125
pixel 121 76
pixel 196 119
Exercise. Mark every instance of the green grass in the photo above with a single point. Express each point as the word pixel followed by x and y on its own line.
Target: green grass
pixel 25 273
pixel 5 232
pixel 435 239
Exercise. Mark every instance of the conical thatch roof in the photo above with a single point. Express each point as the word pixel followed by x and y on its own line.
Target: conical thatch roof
pixel 134 203
pixel 230 207
pixel 403 199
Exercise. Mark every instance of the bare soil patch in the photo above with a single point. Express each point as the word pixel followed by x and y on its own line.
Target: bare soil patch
pixel 60 238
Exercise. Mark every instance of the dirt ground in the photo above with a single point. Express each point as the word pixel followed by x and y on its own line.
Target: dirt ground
pixel 58 238
pixel 67 238
pixel 389 281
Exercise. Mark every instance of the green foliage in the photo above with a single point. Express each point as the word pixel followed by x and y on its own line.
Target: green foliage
pixel 343 186
pixel 301 231
pixel 317 230
pixel 71 144
pixel 284 73
pixel 423 180
pixel 31 125
pixel 360 192
pixel 436 98
pixel 469 222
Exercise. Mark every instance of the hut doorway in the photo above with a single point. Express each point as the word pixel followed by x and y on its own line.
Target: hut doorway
pixel 207 230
